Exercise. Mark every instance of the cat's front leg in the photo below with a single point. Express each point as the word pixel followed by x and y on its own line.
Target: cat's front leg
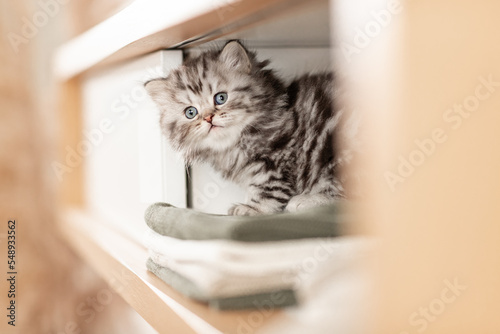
pixel 307 201
pixel 262 199
pixel 243 210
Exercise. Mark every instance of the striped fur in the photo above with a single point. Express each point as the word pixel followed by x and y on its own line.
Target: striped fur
pixel 276 141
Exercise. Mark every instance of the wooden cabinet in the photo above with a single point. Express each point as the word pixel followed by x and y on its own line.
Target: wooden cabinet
pixel 425 77
pixel 127 165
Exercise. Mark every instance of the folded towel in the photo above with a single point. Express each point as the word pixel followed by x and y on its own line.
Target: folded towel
pixel 244 257
pixel 270 299
pixel 242 261
pixel 224 268
pixel 187 224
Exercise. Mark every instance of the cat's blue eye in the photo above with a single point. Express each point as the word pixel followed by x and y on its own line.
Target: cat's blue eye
pixel 191 112
pixel 220 98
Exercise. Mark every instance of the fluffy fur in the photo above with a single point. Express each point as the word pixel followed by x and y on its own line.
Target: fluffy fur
pixel 274 140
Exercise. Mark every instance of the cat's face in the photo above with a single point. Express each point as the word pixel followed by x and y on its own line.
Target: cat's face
pixel 207 103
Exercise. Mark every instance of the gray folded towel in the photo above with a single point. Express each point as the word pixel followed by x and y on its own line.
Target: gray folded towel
pixel 270 299
pixel 187 224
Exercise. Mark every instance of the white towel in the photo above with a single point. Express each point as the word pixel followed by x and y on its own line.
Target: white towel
pixel 224 268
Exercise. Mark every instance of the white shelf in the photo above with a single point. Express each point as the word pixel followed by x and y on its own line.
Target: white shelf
pixel 121 262
pixel 150 25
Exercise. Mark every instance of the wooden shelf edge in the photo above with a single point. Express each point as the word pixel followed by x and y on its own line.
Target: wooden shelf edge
pixel 120 261
pixel 114 40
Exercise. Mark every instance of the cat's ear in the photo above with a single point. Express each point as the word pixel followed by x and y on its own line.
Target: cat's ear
pixel 235 56
pixel 157 89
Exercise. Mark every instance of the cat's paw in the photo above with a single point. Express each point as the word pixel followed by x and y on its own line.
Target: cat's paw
pixel 307 201
pixel 242 210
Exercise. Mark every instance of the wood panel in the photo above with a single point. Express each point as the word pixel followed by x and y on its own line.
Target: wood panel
pixel 430 89
pixel 69 165
pixel 144 27
pixel 85 14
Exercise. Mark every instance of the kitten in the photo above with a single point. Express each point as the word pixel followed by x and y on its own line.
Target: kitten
pixel 226 109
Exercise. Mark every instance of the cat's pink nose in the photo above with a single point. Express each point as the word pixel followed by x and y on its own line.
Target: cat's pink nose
pixel 208 118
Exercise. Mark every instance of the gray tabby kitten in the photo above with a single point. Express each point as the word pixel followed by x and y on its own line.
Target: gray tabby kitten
pixel 226 109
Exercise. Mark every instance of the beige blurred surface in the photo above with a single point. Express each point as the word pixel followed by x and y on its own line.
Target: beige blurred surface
pixel 51 283
pixel 438 216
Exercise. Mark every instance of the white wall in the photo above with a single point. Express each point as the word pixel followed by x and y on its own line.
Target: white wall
pixel 130 164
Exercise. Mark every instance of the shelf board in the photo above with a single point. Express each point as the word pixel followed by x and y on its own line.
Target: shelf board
pixel 146 26
pixel 122 264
